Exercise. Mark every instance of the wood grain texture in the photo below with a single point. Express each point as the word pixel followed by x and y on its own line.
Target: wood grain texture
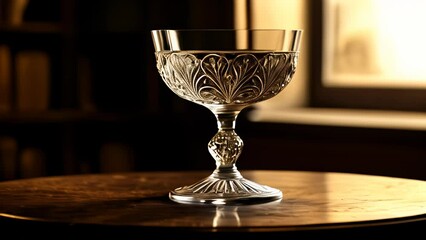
pixel 139 201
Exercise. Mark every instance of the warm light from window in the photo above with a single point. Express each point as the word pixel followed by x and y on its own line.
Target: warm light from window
pixel 375 43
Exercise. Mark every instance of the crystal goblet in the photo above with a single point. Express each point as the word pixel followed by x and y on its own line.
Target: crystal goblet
pixel 226 70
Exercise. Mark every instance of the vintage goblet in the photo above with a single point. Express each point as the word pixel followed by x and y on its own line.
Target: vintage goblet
pixel 226 70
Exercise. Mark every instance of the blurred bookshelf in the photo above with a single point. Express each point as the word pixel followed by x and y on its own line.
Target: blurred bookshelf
pixel 80 93
pixel 34 59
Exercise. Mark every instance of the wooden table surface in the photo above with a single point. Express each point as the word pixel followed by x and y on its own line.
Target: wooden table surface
pixel 131 205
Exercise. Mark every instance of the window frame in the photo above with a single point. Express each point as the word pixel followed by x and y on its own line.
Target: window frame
pixel 401 99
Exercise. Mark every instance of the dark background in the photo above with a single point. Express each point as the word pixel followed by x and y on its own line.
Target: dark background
pixel 125 104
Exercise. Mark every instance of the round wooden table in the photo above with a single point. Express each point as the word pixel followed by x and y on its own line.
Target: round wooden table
pixel 134 205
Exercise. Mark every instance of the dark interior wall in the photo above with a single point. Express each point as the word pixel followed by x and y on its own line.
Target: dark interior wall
pixel 107 97
pixel 116 36
pixel 388 152
pixel 132 110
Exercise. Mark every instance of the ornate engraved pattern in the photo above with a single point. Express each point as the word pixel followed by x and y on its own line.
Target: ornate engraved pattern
pixel 225 147
pixel 226 78
pixel 212 186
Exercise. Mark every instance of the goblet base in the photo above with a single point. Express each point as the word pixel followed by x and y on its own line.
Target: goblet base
pixel 225 188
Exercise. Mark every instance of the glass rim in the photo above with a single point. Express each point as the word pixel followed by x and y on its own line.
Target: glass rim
pixel 228 29
pixel 227 39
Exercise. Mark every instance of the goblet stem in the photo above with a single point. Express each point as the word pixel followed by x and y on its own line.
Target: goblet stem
pixel 225 185
pixel 226 146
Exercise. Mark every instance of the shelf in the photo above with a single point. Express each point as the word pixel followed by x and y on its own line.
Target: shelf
pixel 344 117
pixel 33 27
pixel 62 116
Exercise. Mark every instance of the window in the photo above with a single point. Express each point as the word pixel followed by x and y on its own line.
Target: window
pixel 368 54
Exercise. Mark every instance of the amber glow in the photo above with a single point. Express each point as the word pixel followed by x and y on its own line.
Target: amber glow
pixel 270 14
pixel 240 22
pixel 374 43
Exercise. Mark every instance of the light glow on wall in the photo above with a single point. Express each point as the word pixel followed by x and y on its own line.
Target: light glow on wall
pixel 374 43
